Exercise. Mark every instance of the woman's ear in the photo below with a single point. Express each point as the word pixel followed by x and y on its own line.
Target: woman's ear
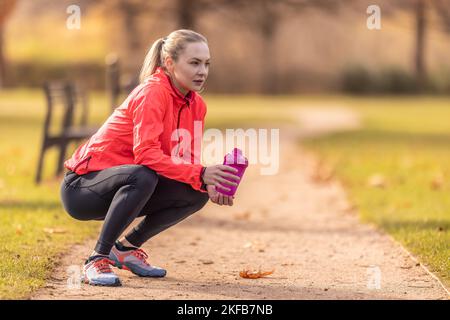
pixel 168 63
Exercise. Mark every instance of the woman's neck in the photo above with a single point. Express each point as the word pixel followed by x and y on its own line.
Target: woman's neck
pixel 183 91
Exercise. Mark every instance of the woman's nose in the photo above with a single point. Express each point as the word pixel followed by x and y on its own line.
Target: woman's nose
pixel 203 70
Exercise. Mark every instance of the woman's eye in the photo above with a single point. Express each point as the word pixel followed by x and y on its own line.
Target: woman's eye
pixel 194 62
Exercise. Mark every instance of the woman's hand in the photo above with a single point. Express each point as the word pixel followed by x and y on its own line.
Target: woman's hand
pixel 218 198
pixel 215 175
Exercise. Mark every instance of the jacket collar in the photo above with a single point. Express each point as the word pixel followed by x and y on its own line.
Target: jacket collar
pixel 167 82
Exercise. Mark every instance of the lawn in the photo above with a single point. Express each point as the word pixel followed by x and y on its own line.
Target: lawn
pixel 33 228
pixel 397 171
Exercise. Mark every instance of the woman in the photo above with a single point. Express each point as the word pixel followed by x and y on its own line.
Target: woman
pixel 134 166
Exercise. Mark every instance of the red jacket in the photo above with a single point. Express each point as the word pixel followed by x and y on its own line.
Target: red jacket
pixel 141 131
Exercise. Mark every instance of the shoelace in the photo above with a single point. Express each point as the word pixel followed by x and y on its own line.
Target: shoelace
pixel 103 265
pixel 141 255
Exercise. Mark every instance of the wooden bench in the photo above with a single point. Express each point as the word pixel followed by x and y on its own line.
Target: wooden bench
pixel 71 98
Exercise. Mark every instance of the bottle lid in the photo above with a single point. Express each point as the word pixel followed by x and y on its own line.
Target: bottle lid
pixel 238 157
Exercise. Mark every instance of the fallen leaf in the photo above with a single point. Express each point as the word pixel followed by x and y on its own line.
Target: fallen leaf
pixel 322 173
pixel 19 229
pixel 253 274
pixel 54 230
pixel 437 182
pixel 377 181
pixel 405 267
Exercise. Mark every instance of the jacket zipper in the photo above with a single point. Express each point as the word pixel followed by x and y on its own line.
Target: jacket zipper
pixel 178 124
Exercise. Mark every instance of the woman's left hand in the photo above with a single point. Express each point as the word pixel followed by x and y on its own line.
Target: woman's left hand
pixel 217 197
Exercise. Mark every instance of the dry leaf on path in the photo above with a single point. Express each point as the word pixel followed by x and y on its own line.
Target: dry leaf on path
pixel 322 173
pixel 252 274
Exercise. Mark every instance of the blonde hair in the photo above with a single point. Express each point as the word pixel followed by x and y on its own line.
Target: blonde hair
pixel 171 46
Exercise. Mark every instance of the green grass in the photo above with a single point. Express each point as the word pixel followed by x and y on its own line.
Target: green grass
pixel 407 142
pixel 27 252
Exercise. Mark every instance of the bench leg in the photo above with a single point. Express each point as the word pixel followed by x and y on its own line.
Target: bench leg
pixel 38 177
pixel 61 158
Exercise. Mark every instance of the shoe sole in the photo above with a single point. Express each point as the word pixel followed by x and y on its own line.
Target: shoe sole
pixel 100 284
pixel 124 267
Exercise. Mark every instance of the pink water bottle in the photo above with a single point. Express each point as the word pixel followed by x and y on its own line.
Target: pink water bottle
pixel 236 160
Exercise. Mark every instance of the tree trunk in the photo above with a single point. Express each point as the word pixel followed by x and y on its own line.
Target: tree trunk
pixel 186 14
pixel 269 69
pixel 129 12
pixel 6 8
pixel 2 60
pixel 420 66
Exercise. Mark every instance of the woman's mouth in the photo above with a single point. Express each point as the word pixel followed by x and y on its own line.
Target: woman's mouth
pixel 198 82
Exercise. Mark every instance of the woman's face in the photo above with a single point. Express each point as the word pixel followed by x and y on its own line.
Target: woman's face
pixel 191 69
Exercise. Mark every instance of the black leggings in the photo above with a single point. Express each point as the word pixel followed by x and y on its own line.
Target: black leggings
pixel 119 194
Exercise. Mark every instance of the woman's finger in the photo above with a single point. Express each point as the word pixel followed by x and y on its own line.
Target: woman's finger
pixel 227 182
pixel 229 175
pixel 220 186
pixel 224 167
pixel 220 201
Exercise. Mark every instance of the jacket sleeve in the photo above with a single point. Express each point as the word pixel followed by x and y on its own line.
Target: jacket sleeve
pixel 148 110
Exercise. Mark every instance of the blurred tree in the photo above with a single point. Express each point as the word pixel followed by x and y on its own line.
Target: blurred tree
pixel 421 14
pixel 6 7
pixel 443 9
pixel 127 12
pixel 421 10
pixel 265 16
pixel 186 11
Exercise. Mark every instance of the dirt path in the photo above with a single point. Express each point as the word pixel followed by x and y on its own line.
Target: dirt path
pixel 303 229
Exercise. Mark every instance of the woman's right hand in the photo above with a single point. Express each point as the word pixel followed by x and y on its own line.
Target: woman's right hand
pixel 215 175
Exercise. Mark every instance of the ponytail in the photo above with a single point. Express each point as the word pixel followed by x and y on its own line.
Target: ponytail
pixel 153 60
